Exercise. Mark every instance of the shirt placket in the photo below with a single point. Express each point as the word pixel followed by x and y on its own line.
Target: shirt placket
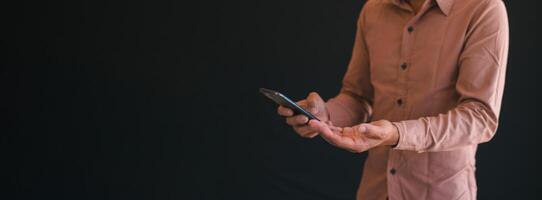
pixel 406 63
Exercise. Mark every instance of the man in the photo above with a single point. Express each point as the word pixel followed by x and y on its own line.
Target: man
pixel 422 90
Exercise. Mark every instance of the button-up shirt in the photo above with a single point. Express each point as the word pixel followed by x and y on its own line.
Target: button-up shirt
pixel 438 75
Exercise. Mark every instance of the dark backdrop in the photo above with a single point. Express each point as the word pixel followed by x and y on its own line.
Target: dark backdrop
pixel 159 100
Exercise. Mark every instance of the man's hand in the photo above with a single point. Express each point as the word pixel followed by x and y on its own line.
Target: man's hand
pixel 313 104
pixel 359 138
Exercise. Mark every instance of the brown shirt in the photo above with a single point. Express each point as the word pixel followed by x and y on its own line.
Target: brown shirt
pixel 438 75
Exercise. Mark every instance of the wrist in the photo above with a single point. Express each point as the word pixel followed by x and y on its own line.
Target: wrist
pixel 393 136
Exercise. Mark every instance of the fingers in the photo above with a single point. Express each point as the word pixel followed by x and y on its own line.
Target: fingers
pixel 312 100
pixel 285 112
pixel 297 120
pixel 348 131
pixel 314 97
pixel 348 139
pixel 306 131
pixel 307 105
pixel 362 128
pixel 336 129
pixel 328 134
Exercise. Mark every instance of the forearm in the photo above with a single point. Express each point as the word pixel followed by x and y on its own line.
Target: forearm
pixel 345 110
pixel 353 104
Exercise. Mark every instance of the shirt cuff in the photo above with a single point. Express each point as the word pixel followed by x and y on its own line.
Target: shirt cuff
pixel 411 135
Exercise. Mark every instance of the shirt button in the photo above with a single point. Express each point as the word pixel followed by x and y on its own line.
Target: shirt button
pixel 399 102
pixel 410 29
pixel 403 66
pixel 392 171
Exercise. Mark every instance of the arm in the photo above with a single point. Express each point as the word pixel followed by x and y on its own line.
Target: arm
pixel 353 104
pixel 480 84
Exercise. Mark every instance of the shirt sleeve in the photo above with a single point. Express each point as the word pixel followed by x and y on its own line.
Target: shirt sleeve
pixel 353 103
pixel 480 84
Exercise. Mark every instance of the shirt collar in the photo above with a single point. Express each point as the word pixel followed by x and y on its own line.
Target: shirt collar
pixel 444 5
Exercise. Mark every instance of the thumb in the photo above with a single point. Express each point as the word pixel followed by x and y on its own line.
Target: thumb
pixel 370 130
pixel 312 100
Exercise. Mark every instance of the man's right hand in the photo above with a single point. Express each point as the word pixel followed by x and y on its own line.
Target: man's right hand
pixel 313 104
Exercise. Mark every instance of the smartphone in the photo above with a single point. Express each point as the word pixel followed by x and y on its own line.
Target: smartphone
pixel 282 100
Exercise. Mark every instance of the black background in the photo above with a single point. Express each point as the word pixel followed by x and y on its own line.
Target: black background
pixel 159 100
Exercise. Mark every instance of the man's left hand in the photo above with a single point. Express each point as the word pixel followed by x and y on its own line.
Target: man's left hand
pixel 358 138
